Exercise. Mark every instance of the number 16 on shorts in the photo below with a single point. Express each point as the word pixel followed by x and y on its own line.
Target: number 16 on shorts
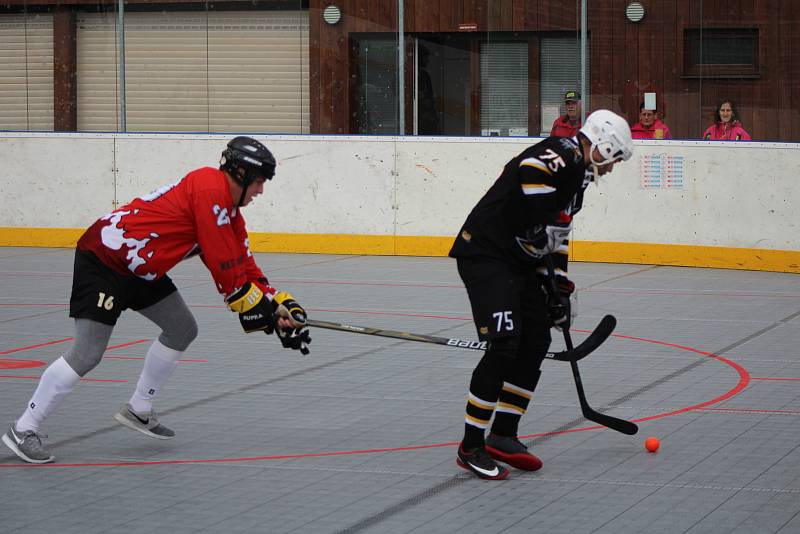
pixel 105 302
pixel 504 321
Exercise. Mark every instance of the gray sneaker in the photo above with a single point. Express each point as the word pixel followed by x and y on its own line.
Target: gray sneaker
pixel 27 445
pixel 144 422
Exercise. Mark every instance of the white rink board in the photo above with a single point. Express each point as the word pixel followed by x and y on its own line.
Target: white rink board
pixel 55 182
pixel 734 194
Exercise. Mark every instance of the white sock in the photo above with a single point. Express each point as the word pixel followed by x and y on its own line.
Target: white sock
pixel 57 381
pixel 159 364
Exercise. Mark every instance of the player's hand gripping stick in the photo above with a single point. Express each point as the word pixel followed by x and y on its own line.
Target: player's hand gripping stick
pixel 295 337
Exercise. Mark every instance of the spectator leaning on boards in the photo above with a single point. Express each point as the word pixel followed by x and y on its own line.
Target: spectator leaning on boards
pixel 567 125
pixel 727 126
pixel 650 126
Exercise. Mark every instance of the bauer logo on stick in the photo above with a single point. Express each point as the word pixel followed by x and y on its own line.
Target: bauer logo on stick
pixel 466 344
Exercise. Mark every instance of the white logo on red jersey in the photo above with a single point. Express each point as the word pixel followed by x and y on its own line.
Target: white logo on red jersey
pixel 158 192
pixel 113 236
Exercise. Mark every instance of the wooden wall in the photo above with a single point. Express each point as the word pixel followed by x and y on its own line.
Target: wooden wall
pixel 627 59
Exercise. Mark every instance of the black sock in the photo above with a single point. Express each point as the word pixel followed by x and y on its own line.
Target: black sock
pixel 473 437
pixel 506 424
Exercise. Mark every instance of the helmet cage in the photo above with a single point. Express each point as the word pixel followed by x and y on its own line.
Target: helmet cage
pixel 603 129
pixel 611 150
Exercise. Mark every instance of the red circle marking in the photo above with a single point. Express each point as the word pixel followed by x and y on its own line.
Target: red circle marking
pixel 13 363
pixel 744 380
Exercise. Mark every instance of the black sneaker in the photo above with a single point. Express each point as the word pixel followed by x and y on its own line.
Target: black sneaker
pixel 479 462
pixel 511 451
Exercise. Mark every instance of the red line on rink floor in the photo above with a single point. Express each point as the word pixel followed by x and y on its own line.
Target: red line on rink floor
pixel 29 347
pixel 128 344
pixel 746 410
pixel 764 378
pixel 139 358
pixel 15 363
pixel 31 304
pixel 82 379
pixel 45 344
pixel 744 379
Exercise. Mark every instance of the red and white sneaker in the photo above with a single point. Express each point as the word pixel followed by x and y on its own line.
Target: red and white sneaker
pixel 511 451
pixel 480 463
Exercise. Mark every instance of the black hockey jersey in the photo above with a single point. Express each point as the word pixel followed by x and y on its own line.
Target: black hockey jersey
pixel 532 191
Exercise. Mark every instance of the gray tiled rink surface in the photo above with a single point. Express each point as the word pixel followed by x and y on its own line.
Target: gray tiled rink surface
pixel 360 436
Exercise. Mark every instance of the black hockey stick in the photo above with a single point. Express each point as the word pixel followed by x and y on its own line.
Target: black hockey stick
pixel 573 354
pixel 620 425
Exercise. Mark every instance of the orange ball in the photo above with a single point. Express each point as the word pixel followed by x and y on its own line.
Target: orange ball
pixel 652 444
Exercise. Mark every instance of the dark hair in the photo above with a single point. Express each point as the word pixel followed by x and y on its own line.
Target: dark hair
pixel 734 112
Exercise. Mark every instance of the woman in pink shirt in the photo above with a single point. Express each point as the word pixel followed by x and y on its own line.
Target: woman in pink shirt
pixel 727 126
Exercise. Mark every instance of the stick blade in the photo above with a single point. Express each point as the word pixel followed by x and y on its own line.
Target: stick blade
pixel 595 339
pixel 620 425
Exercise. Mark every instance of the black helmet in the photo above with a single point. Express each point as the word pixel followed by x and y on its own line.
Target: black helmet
pixel 245 159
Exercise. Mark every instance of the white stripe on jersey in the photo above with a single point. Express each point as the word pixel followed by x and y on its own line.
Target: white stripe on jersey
pixel 537 189
pixel 536 164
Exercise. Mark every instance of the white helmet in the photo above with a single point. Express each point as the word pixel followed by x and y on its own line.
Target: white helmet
pixel 610 134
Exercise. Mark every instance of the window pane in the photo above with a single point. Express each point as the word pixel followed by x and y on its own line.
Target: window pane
pixel 504 88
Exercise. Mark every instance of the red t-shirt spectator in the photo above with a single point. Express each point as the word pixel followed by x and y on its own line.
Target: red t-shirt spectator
pixel 659 130
pixel 563 128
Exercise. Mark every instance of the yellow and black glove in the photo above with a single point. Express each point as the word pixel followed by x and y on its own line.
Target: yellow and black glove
pixel 255 311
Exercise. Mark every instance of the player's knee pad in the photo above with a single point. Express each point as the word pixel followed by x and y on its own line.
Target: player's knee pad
pixel 533 346
pixel 178 325
pixel 91 340
pixel 499 357
pixel 180 333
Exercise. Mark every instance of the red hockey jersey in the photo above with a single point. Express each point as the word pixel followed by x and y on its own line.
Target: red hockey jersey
pixel 150 235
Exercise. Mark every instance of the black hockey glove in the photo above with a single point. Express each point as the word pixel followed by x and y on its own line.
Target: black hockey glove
pixel 295 339
pixel 297 336
pixel 547 238
pixel 560 305
pixel 255 312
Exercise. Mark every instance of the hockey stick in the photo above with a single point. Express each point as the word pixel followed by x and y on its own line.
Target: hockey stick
pixel 573 354
pixel 620 425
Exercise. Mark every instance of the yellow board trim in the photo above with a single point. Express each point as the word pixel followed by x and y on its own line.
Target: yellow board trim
pixel 39 237
pixel 787 261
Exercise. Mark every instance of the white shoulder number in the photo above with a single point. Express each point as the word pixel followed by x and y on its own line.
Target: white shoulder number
pixel 222 215
pixel 555 162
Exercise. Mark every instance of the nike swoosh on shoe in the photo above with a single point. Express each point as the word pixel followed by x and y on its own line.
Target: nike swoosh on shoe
pixel 143 421
pixel 18 440
pixel 489 473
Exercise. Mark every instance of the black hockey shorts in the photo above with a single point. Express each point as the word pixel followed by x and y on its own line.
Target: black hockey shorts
pixel 101 294
pixel 507 301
